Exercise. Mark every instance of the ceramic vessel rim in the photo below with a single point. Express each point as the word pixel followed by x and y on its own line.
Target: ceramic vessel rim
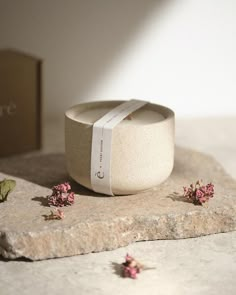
pixel 165 111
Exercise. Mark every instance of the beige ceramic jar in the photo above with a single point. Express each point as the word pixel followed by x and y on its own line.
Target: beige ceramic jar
pixel 142 146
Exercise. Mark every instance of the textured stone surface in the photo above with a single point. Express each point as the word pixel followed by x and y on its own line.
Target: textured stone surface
pixel 98 223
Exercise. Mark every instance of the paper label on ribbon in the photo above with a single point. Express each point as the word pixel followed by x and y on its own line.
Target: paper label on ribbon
pixel 102 144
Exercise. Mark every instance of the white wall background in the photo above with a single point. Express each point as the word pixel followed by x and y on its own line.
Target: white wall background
pixel 181 53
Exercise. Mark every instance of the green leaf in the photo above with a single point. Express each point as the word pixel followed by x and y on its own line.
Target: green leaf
pixel 6 186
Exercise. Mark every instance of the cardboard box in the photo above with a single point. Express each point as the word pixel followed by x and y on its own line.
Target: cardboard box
pixel 20 102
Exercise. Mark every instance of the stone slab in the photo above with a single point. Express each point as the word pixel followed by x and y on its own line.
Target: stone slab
pixel 98 223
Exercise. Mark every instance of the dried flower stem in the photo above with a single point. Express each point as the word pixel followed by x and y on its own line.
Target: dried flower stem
pixel 55 215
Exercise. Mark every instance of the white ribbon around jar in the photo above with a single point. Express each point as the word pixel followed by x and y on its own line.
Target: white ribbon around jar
pixel 102 144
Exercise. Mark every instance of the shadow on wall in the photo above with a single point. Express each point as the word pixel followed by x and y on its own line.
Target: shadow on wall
pixel 78 40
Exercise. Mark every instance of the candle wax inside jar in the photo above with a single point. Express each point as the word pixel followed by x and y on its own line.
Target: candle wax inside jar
pixel 140 117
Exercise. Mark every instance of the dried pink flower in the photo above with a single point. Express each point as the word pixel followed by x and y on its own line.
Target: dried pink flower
pixel 63 187
pixel 56 214
pixel 199 193
pixel 60 196
pixel 131 267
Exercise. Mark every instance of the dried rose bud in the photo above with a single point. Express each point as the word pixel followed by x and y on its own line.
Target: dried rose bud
pixel 131 267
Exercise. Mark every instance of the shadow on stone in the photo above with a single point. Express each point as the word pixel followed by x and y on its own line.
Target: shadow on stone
pixel 117 269
pixel 177 197
pixel 81 190
pixel 43 169
pixel 42 200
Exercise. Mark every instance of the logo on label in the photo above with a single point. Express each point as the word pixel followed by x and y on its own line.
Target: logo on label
pixel 100 175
